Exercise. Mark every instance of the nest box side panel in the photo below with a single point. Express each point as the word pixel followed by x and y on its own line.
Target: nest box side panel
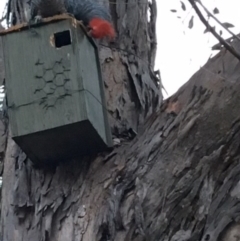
pixel 43 89
pixel 104 103
pixel 91 75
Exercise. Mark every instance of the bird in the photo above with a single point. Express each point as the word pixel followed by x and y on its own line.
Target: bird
pixel 93 15
pixel 45 8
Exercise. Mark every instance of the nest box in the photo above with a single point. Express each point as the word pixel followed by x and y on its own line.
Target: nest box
pixel 55 93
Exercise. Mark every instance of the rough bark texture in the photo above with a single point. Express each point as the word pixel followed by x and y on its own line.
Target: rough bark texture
pixel 131 85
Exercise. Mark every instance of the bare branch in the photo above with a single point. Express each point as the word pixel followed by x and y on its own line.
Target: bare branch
pixel 211 29
pixel 218 46
pixel 212 16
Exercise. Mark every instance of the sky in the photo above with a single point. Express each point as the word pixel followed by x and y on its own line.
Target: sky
pixel 182 51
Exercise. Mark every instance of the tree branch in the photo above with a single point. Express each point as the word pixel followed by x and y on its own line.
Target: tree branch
pixel 212 16
pixel 218 46
pixel 211 29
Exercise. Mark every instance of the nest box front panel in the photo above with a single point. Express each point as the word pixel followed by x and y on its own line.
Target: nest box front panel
pixel 43 80
pixel 55 92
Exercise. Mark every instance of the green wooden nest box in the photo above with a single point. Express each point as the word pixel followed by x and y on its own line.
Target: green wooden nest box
pixel 55 92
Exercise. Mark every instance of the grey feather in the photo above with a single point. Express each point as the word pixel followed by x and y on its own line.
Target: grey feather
pixel 83 10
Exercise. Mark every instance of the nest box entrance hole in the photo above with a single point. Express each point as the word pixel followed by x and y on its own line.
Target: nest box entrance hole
pixel 62 38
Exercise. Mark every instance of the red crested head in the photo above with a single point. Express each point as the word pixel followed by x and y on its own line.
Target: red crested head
pixel 101 28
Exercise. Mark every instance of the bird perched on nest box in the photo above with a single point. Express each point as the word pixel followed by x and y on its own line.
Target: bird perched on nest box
pixel 94 16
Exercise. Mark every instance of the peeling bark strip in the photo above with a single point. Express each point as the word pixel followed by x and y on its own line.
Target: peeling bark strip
pixel 128 70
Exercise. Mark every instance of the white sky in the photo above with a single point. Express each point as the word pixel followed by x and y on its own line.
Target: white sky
pixel 180 55
pixel 182 51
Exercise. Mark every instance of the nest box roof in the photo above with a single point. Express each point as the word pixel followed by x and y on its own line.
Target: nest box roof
pixel 23 26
